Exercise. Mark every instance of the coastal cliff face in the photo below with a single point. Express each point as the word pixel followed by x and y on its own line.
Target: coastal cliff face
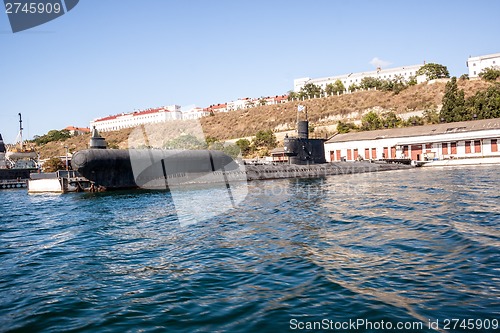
pixel 324 113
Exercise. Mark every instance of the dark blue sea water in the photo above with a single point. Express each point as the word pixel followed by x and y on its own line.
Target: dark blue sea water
pixel 418 247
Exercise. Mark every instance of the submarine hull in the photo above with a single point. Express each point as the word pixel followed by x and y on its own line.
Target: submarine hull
pixel 153 169
pixel 162 169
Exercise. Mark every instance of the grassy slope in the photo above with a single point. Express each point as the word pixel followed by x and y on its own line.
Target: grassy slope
pixel 322 111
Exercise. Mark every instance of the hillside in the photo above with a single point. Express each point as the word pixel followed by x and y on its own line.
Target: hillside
pixel 282 117
pixel 329 110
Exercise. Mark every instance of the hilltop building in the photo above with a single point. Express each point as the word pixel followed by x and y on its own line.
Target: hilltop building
pixel 467 139
pixel 132 119
pixel 246 103
pixel 221 107
pixel 477 64
pixel 355 78
pixel 195 113
pixel 77 130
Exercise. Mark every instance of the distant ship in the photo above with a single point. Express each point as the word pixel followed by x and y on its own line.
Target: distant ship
pixel 16 162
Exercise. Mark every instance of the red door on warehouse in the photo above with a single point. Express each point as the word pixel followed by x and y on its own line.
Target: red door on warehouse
pixel 416 152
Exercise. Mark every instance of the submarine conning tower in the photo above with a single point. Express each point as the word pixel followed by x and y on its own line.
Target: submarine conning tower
pixel 302 150
pixel 3 165
pixel 97 141
pixel 303 129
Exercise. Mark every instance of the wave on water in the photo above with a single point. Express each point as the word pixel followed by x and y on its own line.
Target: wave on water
pixel 406 246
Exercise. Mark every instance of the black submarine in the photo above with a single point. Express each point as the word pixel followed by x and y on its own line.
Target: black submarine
pixel 111 169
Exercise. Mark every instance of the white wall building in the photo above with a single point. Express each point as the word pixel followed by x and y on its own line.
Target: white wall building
pixel 355 78
pixel 477 64
pixel 132 119
pixel 194 113
pixel 468 139
pixel 239 104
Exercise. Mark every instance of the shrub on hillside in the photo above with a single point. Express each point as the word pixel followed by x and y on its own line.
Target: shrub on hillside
pixel 490 74
pixel 53 135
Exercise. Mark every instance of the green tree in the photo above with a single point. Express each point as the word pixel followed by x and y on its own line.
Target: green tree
pixel 431 116
pixel 185 142
pixel 484 104
pixel 433 71
pixel 353 87
pixel 232 150
pixel 414 121
pixel 52 135
pixel 310 90
pixel 453 103
pixel 412 80
pixel 390 120
pixel 369 82
pixel 398 84
pixel 464 77
pixel 490 74
pixel 346 127
pixel 387 85
pixel 210 140
pixel 244 145
pixel 53 164
pixel 334 88
pixel 292 95
pixel 265 139
pixel 371 121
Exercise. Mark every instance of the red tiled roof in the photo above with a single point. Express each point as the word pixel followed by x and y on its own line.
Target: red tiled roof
pixel 135 114
pixel 107 118
pixel 81 129
pixel 155 110
pixel 219 106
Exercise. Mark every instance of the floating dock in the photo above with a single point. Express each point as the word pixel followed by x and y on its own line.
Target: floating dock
pixel 61 181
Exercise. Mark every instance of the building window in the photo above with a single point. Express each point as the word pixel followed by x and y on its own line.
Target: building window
pixel 494 145
pixel 474 72
pixel 474 64
pixel 477 146
pixel 468 149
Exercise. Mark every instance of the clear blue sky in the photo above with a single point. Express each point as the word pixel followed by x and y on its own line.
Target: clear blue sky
pixel 111 56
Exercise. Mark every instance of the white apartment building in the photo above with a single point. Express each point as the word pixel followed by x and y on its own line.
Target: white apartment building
pixel 132 119
pixel 194 113
pixel 245 103
pixel 477 64
pixel 355 78
pixel 240 103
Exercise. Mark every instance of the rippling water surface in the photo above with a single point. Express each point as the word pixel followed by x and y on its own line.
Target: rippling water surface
pixel 398 247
